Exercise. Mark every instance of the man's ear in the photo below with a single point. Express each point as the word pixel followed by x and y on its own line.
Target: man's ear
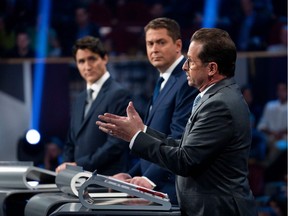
pixel 213 68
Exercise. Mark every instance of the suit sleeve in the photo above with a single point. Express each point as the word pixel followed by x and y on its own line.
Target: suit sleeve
pixel 69 147
pixel 200 144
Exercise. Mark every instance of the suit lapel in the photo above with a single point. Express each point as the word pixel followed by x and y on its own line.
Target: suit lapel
pixel 213 90
pixel 94 105
pixel 164 92
pixel 79 111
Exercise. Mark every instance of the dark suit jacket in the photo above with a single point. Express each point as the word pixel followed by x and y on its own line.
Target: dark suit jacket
pixel 88 146
pixel 168 115
pixel 211 159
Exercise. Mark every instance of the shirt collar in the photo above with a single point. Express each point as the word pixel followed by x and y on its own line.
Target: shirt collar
pixel 169 71
pixel 205 90
pixel 96 86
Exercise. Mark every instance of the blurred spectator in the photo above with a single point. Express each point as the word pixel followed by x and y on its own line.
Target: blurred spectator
pixel 53 153
pixel 22 48
pixel 157 10
pixel 274 122
pixel 282 44
pixel 53 47
pixel 7 36
pixel 257 19
pixel 80 27
pixel 84 26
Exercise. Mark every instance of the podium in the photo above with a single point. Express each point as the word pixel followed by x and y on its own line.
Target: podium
pixel 19 181
pixel 68 183
pixel 93 196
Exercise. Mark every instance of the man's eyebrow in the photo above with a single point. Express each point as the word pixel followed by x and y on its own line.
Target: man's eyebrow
pixel 156 41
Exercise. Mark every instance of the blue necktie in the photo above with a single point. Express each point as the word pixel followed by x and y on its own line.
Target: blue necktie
pixel 157 89
pixel 196 101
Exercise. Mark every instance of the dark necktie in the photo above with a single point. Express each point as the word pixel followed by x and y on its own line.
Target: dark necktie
pixel 89 101
pixel 157 89
pixel 196 101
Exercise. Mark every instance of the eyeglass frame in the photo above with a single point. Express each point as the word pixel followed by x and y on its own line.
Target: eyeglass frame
pixel 189 61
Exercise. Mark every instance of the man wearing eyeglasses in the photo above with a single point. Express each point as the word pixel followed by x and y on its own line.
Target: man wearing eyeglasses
pixel 211 160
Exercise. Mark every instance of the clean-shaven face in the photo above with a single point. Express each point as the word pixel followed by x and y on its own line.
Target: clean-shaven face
pixel 90 65
pixel 161 50
pixel 196 71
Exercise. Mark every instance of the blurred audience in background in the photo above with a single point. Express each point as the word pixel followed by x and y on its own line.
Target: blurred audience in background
pixel 258 147
pixel 251 23
pixel 254 29
pixel 273 123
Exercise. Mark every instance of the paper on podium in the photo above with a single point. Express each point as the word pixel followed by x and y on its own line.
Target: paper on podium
pixel 138 197
pixel 70 179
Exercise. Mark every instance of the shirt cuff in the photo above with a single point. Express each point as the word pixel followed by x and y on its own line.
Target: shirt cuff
pixel 134 137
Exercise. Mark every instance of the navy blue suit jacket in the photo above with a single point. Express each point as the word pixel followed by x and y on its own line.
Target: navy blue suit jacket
pixel 88 146
pixel 169 114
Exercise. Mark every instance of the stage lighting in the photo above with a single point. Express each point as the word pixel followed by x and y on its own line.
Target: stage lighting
pixel 33 137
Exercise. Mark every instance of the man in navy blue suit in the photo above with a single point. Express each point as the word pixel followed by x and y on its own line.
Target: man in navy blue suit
pixel 87 146
pixel 170 111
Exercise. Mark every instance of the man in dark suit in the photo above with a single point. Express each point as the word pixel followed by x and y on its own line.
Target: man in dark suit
pixel 87 146
pixel 168 113
pixel 211 159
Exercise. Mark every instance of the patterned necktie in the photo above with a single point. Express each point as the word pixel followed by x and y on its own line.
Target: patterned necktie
pixel 157 89
pixel 196 101
pixel 89 101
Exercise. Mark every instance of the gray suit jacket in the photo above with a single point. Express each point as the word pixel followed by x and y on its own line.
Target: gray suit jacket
pixel 211 159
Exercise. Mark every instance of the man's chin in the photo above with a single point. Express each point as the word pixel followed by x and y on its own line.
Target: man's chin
pixel 189 83
pixel 157 63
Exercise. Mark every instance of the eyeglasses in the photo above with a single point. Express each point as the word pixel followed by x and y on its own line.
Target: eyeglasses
pixel 188 62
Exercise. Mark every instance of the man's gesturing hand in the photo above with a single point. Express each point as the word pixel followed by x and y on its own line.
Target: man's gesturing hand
pixel 121 126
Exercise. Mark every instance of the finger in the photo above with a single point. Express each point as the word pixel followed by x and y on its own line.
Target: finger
pixel 57 170
pixel 131 111
pixel 109 118
pixel 128 180
pixel 109 126
pixel 103 118
pixel 105 130
pixel 112 116
pixel 60 168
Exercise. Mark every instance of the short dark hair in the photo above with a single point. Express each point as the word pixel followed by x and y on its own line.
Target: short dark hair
pixel 91 43
pixel 217 47
pixel 170 25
